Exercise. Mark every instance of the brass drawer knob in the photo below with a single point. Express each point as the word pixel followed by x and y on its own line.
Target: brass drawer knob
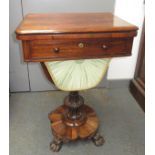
pixel 81 45
pixel 56 50
pixel 104 46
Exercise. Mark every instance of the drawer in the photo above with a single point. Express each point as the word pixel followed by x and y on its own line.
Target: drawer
pixel 46 50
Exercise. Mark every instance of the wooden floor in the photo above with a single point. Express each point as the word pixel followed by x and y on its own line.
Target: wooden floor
pixel 121 122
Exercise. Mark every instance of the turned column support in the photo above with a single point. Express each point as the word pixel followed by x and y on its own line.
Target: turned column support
pixel 75 103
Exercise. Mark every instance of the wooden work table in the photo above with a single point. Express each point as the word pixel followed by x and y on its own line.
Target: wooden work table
pixel 65 36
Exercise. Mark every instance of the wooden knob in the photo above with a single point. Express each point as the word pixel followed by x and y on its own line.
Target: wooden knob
pixel 56 50
pixel 104 46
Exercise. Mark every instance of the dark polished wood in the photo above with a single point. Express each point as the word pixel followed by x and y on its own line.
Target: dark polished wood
pixel 74 120
pixel 64 36
pixel 47 50
pixel 138 92
pixel 72 22
pixel 46 72
pixel 137 85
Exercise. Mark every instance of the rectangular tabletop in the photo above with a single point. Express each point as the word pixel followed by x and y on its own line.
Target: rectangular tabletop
pixel 73 23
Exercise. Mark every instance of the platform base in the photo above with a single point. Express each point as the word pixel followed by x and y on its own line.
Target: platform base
pixel 71 124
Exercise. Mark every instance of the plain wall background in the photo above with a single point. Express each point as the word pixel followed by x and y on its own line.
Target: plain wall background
pixel 18 72
pixel 133 12
pixel 29 77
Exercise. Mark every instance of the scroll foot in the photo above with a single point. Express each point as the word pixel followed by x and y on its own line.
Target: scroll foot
pixel 98 139
pixel 55 145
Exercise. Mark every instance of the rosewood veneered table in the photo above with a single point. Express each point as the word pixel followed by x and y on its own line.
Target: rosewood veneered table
pixel 73 36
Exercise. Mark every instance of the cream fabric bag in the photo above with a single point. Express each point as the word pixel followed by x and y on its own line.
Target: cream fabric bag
pixel 74 75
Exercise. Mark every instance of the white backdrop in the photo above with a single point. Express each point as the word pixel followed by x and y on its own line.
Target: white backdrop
pixel 133 12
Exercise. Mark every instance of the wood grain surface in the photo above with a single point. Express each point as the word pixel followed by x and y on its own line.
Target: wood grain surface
pixel 61 128
pixel 68 36
pixel 72 23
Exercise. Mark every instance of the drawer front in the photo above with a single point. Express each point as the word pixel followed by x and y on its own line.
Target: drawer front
pixel 45 50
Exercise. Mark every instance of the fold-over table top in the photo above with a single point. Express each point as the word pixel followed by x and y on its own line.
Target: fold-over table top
pixel 73 23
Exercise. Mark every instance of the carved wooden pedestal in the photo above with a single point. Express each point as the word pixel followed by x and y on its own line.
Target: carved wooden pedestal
pixel 74 120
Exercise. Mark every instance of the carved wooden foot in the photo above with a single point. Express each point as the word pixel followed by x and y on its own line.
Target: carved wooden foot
pixel 56 144
pixel 98 139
